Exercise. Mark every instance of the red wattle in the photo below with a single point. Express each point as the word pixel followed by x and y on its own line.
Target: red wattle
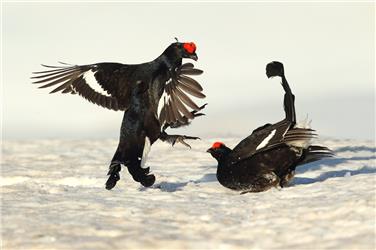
pixel 189 47
pixel 217 145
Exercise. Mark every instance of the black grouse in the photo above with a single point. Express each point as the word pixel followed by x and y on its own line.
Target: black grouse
pixel 269 156
pixel 154 96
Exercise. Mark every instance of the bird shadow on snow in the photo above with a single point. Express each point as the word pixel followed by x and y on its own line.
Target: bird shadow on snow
pixel 166 186
pixel 332 162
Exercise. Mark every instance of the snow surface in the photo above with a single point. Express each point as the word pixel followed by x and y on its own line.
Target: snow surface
pixel 53 197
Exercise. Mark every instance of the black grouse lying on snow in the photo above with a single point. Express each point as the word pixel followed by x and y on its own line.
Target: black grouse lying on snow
pixel 269 156
pixel 153 96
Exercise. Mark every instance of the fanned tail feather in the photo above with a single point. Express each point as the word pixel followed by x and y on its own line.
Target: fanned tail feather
pixel 299 137
pixel 315 153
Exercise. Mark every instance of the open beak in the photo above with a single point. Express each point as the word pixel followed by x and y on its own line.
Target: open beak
pixel 193 56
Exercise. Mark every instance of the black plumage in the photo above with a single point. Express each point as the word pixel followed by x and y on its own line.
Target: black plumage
pixel 269 156
pixel 154 96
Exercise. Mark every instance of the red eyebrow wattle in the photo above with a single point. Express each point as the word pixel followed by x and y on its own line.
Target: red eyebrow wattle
pixel 217 145
pixel 189 47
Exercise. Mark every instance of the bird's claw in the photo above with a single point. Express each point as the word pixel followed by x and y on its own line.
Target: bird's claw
pixel 181 138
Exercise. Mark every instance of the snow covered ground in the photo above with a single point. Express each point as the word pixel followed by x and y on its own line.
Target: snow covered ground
pixel 53 197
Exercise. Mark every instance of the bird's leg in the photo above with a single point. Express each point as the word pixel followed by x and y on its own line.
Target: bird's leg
pixel 114 169
pixel 173 139
pixel 285 180
pixel 113 172
pixel 140 174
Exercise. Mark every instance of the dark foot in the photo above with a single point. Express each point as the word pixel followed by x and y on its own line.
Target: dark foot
pixel 111 182
pixel 141 175
pixel 286 179
pixel 115 168
pixel 148 180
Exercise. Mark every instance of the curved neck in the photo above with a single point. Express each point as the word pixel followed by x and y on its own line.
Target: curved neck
pixel 288 101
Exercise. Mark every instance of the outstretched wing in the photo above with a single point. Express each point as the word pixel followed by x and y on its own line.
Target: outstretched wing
pixel 175 101
pixel 110 77
pixel 271 136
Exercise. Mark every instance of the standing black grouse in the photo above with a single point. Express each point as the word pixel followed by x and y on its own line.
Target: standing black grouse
pixel 269 156
pixel 153 96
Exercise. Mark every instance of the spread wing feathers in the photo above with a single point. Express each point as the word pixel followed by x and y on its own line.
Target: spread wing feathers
pixel 71 79
pixel 271 136
pixel 175 101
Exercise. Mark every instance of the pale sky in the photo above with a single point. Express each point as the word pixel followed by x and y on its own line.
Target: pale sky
pixel 328 50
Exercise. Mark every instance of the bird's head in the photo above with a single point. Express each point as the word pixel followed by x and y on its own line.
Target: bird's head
pixel 218 150
pixel 184 50
pixel 275 69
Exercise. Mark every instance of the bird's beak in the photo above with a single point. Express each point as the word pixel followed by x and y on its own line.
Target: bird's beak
pixel 193 56
pixel 209 150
